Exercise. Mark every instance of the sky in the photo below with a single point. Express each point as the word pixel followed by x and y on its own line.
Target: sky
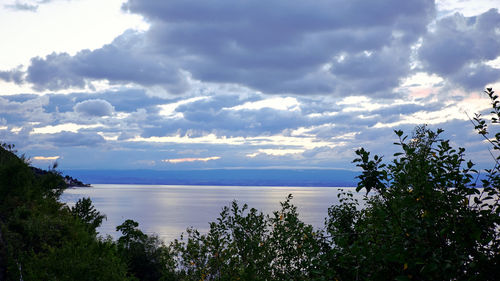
pixel 224 84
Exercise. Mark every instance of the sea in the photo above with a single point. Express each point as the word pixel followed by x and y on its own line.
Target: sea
pixel 168 210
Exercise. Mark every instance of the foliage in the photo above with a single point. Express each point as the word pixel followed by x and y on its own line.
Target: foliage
pixel 294 246
pixel 78 259
pixel 246 245
pixel 233 248
pixel 147 257
pixel 87 214
pixel 427 219
pixel 42 239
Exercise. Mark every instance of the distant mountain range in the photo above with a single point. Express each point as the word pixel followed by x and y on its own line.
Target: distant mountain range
pixel 238 177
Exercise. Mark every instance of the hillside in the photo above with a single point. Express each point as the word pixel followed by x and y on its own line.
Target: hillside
pixel 43 239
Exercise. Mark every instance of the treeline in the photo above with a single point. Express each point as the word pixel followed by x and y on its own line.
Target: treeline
pixel 428 216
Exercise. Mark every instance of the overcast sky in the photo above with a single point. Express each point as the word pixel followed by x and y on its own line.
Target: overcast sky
pixel 189 84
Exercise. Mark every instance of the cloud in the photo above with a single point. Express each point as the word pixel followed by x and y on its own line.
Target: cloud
pixel 476 76
pixel 279 103
pixel 15 75
pixel 94 107
pixel 275 152
pixel 126 60
pixel 282 47
pixel 290 42
pixel 74 139
pixel 66 127
pixel 24 110
pixel 460 46
pixel 182 160
pixel 45 158
pixel 18 6
pixel 54 72
pixel 374 71
pixel 28 5
pixel 205 116
pixel 124 100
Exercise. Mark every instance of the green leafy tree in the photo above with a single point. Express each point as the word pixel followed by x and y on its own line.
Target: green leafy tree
pixel 244 244
pixel 295 247
pixel 40 238
pixel 425 219
pixel 235 247
pixel 87 214
pixel 147 257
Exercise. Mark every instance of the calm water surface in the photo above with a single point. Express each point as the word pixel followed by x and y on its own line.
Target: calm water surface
pixel 168 210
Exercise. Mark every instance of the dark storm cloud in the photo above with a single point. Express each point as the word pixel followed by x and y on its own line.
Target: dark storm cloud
pixel 459 46
pixel 94 107
pixel 277 47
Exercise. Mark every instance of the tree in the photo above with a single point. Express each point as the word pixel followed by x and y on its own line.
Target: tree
pixel 41 238
pixel 426 218
pixel 87 214
pixel 147 257
pixel 244 244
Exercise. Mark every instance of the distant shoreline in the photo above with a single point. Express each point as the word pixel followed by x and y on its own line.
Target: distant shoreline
pixel 208 185
pixel 244 177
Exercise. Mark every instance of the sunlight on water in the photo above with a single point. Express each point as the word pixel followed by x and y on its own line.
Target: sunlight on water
pixel 168 210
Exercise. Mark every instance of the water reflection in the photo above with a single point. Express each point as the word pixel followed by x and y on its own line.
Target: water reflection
pixel 168 210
